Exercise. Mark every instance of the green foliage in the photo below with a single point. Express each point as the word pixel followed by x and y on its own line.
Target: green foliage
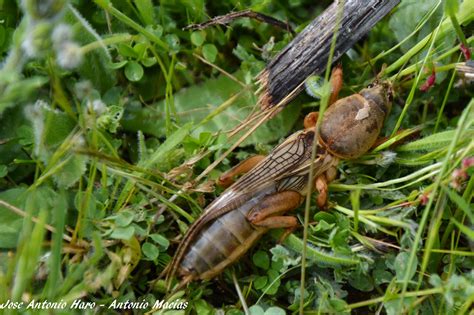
pixel 112 115
pixel 11 222
pixel 408 16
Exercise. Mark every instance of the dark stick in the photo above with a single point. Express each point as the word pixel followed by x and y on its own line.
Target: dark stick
pixel 308 52
pixel 227 18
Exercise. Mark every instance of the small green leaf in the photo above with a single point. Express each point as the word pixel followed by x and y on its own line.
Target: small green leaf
pixel 382 276
pixel 273 282
pixel 71 171
pixel 338 305
pixel 140 49
pixel 160 220
pixel 402 268
pixel 10 223
pixel 202 307
pixel 160 240
pixel 324 216
pixel 172 141
pixel 133 71
pixel 323 226
pixel 127 51
pixel 146 10
pixel 338 239
pixel 460 202
pixel 395 306
pixel 209 51
pixel 315 86
pixel 157 30
pixel 3 170
pixel 118 65
pixel 361 281
pixel 274 310
pixel 261 259
pixel 124 218
pixel 123 233
pixel 173 42
pixel 110 120
pixel 150 251
pixel 148 62
pixel 260 282
pixel 256 310
pixel 197 38
pixel 241 53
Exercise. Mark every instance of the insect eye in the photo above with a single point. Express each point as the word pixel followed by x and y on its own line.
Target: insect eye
pixel 371 85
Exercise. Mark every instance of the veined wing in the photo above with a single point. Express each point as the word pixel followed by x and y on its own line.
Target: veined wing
pixel 290 155
pixel 284 159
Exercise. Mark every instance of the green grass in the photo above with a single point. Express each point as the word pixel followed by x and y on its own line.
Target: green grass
pixel 115 123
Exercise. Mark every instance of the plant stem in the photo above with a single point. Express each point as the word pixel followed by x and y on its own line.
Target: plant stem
pixel 385 299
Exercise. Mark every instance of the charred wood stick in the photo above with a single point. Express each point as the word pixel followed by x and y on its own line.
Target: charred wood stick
pixel 308 52
pixel 227 18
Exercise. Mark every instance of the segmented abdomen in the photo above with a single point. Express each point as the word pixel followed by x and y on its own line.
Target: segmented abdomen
pixel 221 242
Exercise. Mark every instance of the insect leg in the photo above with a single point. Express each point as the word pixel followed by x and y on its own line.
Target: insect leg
pixel 321 184
pixel 310 120
pixel 331 174
pixel 274 204
pixel 227 179
pixel 336 84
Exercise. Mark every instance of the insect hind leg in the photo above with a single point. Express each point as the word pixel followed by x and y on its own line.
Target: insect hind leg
pixel 227 179
pixel 274 204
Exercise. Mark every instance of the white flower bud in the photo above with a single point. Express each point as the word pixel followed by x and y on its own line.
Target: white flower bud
pixel 386 158
pixel 69 56
pixel 98 107
pixel 61 35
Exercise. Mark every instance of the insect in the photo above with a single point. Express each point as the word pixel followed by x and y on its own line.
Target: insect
pixel 278 183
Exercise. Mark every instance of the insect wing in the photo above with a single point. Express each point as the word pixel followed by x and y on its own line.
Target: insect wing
pixel 282 160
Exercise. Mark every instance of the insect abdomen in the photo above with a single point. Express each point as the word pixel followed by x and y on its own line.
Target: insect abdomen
pixel 219 244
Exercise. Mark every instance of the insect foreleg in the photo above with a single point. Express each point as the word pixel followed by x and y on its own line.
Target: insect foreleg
pixel 227 179
pixel 336 84
pixel 321 185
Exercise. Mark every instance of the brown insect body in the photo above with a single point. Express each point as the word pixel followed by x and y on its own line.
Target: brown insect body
pixel 223 241
pixel 351 125
pixel 225 231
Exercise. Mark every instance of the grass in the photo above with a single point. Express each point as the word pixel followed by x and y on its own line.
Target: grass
pixel 115 123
